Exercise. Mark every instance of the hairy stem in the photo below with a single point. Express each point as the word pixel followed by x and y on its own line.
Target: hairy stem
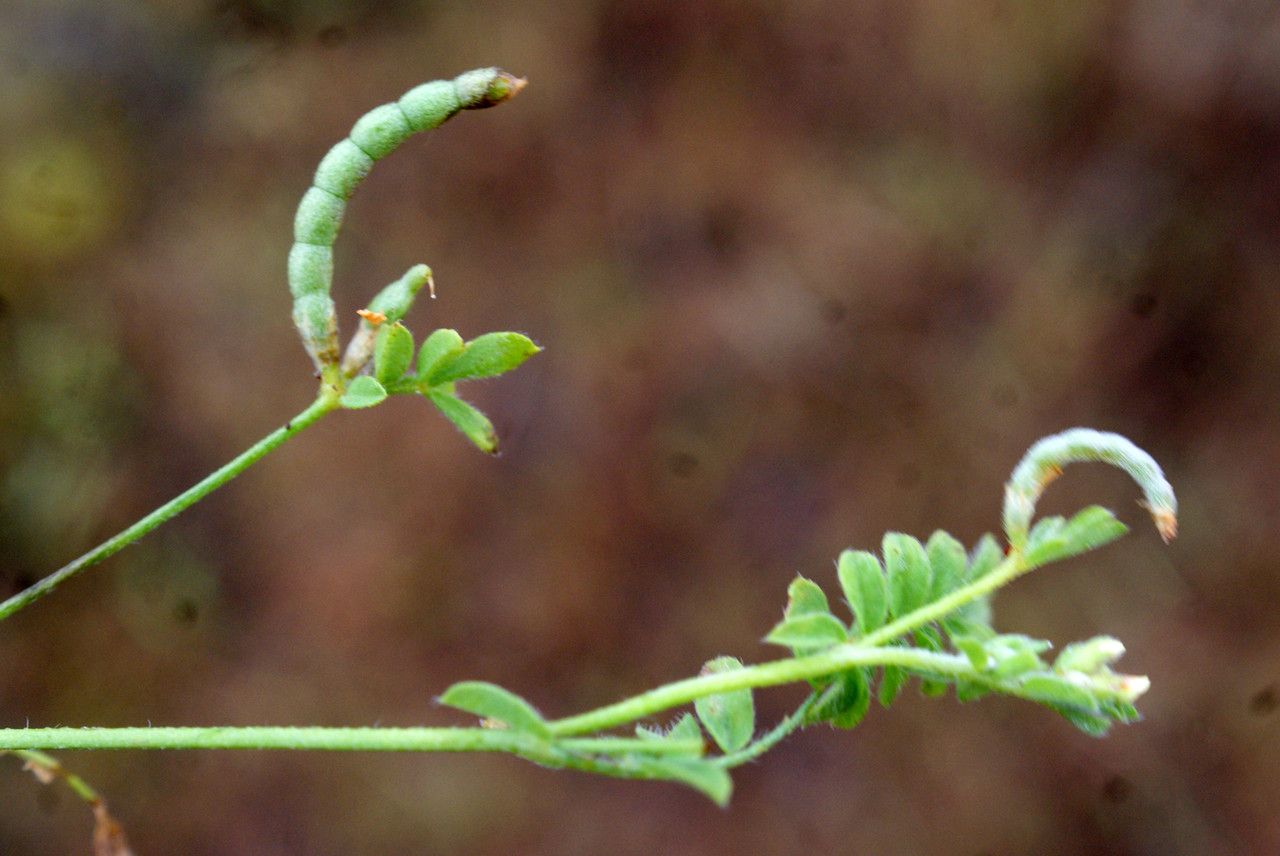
pixel 763 744
pixel 1008 570
pixel 325 402
pixel 839 658
pixel 868 651
pixel 585 754
pixel 792 670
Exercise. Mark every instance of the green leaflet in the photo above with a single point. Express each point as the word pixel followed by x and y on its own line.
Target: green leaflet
pixel 1013 654
pixel 484 356
pixel 805 597
pixel 862 579
pixel 439 346
pixel 684 728
pixel 985 556
pixel 808 633
pixel 703 776
pixel 891 682
pixel 910 577
pixel 1092 724
pixel 948 562
pixel 807 624
pixel 844 701
pixel 974 650
pixel 363 392
pixel 490 701
pixel 395 300
pixel 466 418
pixel 392 353
pixel 1054 539
pixel 730 718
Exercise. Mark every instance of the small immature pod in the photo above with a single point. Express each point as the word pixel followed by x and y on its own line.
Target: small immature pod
pixel 390 304
pixel 395 300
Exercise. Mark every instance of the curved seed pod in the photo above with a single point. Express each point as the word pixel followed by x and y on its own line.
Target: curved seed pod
pixel 1044 462
pixel 375 135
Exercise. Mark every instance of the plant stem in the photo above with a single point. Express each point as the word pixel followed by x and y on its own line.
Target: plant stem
pixel 867 651
pixel 833 660
pixel 272 737
pixel 561 754
pixel 325 402
pixel 757 748
pixel 1011 568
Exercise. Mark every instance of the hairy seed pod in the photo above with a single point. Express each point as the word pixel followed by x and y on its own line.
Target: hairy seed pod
pixel 375 135
pixel 1045 460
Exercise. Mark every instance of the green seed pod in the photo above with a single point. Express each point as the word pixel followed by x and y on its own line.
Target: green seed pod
pixel 374 135
pixel 318 218
pixel 1045 460
pixel 310 270
pixel 395 300
pixel 380 132
pixel 390 304
pixel 316 319
pixel 428 105
pixel 342 169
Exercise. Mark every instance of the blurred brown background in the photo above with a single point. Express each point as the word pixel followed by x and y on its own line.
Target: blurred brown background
pixel 804 271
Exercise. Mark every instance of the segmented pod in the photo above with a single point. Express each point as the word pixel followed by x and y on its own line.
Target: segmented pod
pixel 1044 462
pixel 375 135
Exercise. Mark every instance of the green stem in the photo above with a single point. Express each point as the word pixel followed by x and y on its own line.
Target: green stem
pixel 561 754
pixel 832 661
pixel 1011 568
pixel 325 402
pixel 757 748
pixel 272 737
pixel 867 651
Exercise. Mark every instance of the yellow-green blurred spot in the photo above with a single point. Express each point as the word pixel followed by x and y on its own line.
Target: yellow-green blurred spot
pixel 57 199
